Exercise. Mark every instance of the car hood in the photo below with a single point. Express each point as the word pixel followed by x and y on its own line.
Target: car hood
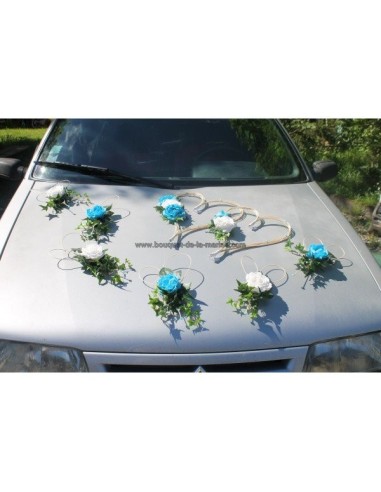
pixel 46 300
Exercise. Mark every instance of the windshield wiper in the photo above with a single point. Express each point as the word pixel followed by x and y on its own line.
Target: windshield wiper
pixel 106 173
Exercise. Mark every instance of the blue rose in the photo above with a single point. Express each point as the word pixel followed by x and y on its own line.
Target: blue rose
pixel 174 212
pixel 222 213
pixel 166 197
pixel 169 283
pixel 317 252
pixel 96 212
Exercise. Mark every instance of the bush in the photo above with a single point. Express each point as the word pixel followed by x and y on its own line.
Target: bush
pixel 357 176
pixel 355 144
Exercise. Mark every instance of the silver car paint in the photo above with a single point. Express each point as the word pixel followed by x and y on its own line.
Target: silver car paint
pixel 44 304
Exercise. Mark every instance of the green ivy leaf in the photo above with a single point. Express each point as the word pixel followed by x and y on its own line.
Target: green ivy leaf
pixel 106 269
pixel 309 266
pixel 179 304
pixel 248 299
pixel 66 200
pixel 94 229
pixel 221 236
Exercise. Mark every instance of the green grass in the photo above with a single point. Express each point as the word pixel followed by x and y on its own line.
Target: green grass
pixel 368 200
pixel 20 136
pixel 359 213
pixel 359 175
pixel 378 258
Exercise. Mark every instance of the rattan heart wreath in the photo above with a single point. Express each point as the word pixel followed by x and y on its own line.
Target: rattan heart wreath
pixel 236 211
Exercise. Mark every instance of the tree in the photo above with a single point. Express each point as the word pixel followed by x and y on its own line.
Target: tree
pixel 355 144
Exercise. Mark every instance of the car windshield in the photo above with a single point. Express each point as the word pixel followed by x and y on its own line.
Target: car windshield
pixel 181 152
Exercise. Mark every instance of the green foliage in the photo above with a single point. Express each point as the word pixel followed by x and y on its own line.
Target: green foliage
pixel 221 236
pixel 355 144
pixel 93 229
pixel 179 304
pixel 357 176
pixel 309 266
pixel 368 200
pixel 262 140
pixel 106 269
pixel 66 200
pixel 248 299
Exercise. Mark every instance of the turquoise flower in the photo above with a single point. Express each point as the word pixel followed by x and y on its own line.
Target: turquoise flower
pixel 174 213
pixel 317 252
pixel 169 283
pixel 222 213
pixel 96 212
pixel 166 197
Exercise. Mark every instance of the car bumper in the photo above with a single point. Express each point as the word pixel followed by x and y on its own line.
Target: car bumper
pixel 277 360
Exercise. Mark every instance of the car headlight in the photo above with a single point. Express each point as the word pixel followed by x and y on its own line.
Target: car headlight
pixel 354 354
pixel 31 357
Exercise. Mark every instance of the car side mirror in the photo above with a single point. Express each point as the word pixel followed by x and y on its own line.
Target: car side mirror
pixel 11 168
pixel 324 170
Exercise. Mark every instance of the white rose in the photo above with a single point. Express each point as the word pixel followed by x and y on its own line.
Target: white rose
pixel 259 281
pixel 224 223
pixel 92 251
pixel 56 190
pixel 171 201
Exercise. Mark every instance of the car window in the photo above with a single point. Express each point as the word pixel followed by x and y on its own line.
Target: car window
pixel 191 151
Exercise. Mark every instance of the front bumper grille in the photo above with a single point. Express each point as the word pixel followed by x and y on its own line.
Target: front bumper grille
pixel 276 360
pixel 268 366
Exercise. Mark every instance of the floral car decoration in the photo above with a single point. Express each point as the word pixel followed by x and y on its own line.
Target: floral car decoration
pixel 60 197
pixel 171 209
pixel 256 288
pixel 221 226
pixel 97 223
pixel 172 299
pixel 313 259
pixel 97 262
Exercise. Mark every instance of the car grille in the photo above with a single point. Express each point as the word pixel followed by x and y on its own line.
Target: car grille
pixel 274 360
pixel 268 366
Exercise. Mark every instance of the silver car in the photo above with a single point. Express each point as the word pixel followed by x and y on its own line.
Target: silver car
pixel 181 245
